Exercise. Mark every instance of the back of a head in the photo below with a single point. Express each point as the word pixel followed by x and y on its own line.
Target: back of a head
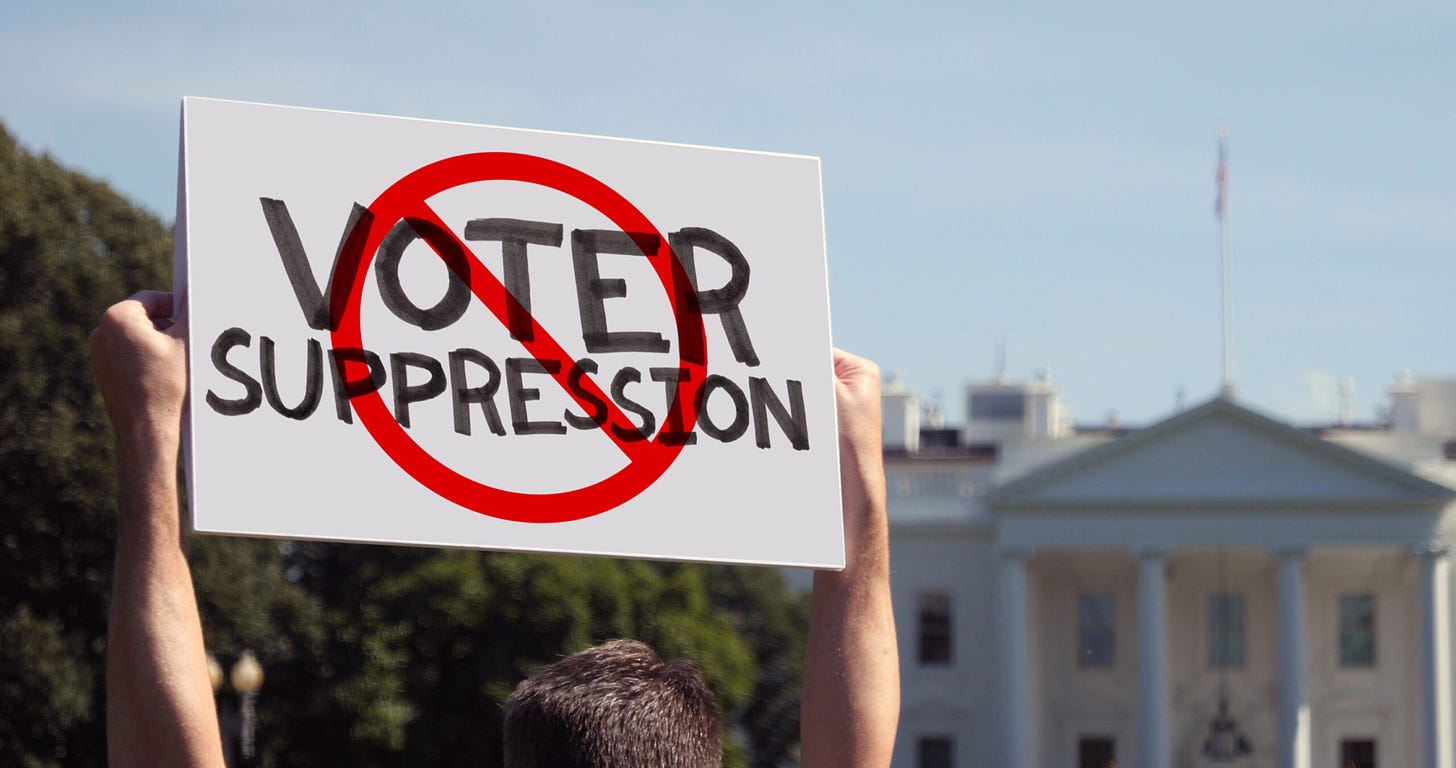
pixel 615 705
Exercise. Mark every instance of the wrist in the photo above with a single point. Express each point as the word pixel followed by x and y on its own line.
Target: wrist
pixel 148 435
pixel 146 459
pixel 153 460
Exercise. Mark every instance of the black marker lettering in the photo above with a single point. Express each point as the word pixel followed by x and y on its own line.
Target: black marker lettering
pixel 404 392
pixel 252 391
pixel 386 271
pixel 596 407
pixel 735 430
pixel 722 301
pixel 520 395
pixel 514 235
pixel 316 312
pixel 592 290
pixel 673 432
pixel 619 393
pixel 315 379
pixel 461 396
pixel 346 388
pixel 791 421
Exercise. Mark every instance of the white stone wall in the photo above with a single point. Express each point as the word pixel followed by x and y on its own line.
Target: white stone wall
pixel 958 699
pixel 1074 700
pixel 1381 702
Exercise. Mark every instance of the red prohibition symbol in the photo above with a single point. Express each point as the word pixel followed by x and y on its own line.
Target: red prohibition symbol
pixel 406 199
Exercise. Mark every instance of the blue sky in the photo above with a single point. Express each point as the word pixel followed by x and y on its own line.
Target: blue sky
pixel 1041 172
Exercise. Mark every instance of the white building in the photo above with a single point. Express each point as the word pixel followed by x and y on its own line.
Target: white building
pixel 1066 597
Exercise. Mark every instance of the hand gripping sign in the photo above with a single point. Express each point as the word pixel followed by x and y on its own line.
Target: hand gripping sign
pixel 431 333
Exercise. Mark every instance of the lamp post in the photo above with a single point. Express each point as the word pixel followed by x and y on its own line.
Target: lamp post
pixel 247 678
pixel 1225 742
pixel 236 716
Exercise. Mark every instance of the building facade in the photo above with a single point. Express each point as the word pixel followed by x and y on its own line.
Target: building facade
pixel 1219 588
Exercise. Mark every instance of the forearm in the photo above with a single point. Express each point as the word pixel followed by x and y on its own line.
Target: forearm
pixel 160 710
pixel 852 675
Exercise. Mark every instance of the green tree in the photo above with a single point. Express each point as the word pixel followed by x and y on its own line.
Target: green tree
pixel 440 638
pixel 69 246
pixel 774 620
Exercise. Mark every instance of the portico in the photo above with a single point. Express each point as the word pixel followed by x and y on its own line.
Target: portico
pixel 1110 564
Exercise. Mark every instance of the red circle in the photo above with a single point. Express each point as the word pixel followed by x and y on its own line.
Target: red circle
pixel 652 459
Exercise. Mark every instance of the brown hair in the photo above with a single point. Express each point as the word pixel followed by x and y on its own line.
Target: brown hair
pixel 615 705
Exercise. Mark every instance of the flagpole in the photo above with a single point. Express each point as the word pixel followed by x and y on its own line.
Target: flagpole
pixel 1221 210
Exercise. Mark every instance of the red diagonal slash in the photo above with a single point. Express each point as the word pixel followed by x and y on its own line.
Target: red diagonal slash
pixel 406 199
pixel 493 294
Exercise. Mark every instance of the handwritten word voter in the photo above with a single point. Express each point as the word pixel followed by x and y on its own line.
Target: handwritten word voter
pixel 614 705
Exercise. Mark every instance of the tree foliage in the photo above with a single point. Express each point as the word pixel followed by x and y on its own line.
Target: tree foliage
pixel 373 656
pixel 68 247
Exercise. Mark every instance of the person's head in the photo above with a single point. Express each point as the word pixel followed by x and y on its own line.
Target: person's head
pixel 615 705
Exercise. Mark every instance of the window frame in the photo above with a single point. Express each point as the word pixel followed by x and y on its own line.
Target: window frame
pixel 1348 745
pixel 1347 635
pixel 1218 655
pixel 937 740
pixel 934 626
pixel 1089 740
pixel 1007 407
pixel 1108 631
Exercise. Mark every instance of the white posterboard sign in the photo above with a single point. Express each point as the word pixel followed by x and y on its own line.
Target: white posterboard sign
pixel 416 332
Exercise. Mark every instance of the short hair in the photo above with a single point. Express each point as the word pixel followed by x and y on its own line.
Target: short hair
pixel 615 705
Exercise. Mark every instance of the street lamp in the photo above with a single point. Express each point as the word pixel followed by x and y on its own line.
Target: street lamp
pixel 1225 742
pixel 247 678
pixel 236 718
pixel 214 673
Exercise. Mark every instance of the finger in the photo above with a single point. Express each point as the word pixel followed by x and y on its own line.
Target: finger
pixel 156 303
pixel 176 331
pixel 849 367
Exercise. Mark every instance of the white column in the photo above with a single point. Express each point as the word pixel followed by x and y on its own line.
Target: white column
pixel 1153 745
pixel 1015 661
pixel 1294 738
pixel 1435 667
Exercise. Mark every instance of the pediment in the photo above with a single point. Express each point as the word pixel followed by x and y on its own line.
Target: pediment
pixel 1219 453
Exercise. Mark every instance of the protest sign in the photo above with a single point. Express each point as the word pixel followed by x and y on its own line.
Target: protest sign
pixel 417 332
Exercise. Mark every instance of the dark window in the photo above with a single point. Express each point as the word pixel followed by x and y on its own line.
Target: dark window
pixel 936 752
pixel 1357 753
pixel 1357 630
pixel 1009 406
pixel 943 438
pixel 1096 632
pixel 1225 630
pixel 935 633
pixel 1096 752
